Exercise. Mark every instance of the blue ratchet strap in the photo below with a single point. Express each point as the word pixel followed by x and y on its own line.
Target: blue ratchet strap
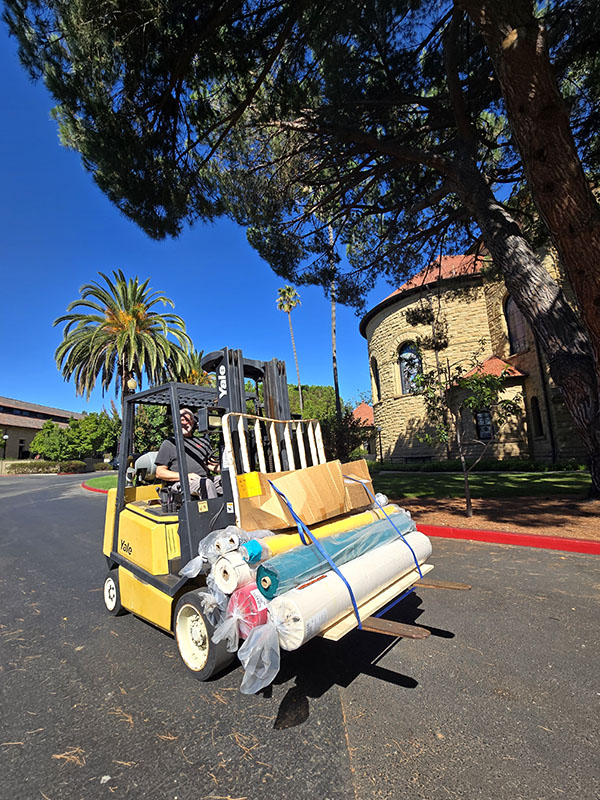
pixel 302 529
pixel 357 480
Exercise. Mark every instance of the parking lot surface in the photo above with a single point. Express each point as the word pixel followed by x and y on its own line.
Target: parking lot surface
pixel 501 701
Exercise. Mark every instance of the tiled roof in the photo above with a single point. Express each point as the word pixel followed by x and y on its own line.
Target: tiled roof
pixel 17 421
pixel 364 412
pixel 447 267
pixel 496 366
pixel 20 404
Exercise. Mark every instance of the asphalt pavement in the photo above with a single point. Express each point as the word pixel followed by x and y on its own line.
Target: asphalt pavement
pixel 501 701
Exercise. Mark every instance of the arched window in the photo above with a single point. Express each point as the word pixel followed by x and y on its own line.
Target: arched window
pixel 410 366
pixel 376 384
pixel 517 327
pixel 536 418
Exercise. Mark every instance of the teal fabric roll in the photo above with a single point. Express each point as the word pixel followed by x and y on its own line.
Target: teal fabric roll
pixel 287 570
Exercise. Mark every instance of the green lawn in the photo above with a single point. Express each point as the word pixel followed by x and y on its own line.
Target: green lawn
pixel 102 482
pixel 450 484
pixel 483 484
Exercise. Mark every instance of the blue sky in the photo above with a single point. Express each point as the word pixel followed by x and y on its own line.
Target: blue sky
pixel 58 231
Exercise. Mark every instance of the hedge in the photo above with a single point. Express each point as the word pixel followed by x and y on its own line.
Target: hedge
pixel 30 467
pixel 71 466
pixel 103 466
pixel 485 465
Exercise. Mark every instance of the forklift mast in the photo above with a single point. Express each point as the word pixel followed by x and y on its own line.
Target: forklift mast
pixel 232 371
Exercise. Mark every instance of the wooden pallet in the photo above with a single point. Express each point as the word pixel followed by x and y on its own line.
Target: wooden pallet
pixel 373 604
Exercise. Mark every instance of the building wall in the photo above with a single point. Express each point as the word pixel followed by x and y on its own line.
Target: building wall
pixel 18 442
pixel 402 416
pixel 474 310
pixel 559 440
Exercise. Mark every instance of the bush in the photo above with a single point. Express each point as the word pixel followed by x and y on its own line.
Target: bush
pixel 71 466
pixel 103 466
pixel 31 467
pixel 358 453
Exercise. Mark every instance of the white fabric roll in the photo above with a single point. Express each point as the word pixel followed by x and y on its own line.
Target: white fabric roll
pixel 226 544
pixel 304 611
pixel 231 571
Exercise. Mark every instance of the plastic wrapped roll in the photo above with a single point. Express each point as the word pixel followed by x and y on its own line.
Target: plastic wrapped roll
pixel 228 542
pixel 306 610
pixel 231 571
pixel 283 572
pixel 250 608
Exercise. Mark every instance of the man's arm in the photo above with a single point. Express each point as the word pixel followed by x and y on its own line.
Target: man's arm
pixel 165 474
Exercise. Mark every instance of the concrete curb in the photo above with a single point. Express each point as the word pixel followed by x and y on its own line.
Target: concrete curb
pixel 519 539
pixel 94 489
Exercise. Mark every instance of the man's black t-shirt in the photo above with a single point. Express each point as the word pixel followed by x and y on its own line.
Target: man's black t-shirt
pixel 198 453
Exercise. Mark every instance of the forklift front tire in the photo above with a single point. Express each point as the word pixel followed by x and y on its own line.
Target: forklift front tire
pixel 112 594
pixel 193 634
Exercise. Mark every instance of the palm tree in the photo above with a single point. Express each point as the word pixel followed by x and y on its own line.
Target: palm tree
pixel 287 300
pixel 193 372
pixel 112 333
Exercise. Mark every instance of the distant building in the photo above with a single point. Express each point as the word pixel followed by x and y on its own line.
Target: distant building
pixel 20 421
pixel 475 309
pixel 364 413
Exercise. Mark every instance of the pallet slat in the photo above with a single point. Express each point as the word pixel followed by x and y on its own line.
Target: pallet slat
pixel 373 604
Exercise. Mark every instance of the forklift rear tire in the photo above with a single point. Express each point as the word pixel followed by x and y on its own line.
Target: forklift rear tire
pixel 193 631
pixel 112 594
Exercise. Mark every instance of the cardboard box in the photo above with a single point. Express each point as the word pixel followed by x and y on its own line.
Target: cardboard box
pixel 315 493
pixel 357 496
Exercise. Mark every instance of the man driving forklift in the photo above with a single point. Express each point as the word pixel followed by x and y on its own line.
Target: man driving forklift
pixel 200 461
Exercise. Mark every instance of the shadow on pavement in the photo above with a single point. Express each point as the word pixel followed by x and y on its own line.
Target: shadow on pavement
pixel 319 665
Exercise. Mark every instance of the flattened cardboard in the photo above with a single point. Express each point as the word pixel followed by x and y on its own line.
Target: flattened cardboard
pixel 315 493
pixel 357 496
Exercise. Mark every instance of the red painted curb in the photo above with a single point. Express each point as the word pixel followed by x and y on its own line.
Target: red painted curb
pixel 93 489
pixel 520 539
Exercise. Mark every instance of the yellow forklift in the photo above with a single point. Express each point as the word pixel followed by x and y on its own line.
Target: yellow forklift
pixel 147 541
pixel 149 538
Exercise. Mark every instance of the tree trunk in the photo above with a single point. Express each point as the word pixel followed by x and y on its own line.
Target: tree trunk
pixel 297 367
pixel 556 326
pixel 463 462
pixel 336 386
pixel 539 120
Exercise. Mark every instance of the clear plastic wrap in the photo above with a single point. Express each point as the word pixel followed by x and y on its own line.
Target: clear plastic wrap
pixel 260 657
pixel 212 547
pixel 214 602
pixel 246 609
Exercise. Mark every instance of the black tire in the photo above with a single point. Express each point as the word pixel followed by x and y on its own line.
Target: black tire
pixel 112 594
pixel 193 631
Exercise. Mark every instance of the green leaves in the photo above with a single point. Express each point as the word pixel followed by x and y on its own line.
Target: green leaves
pixel 124 337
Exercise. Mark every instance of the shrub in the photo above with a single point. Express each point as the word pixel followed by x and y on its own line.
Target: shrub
pixel 31 467
pixel 103 466
pixel 485 465
pixel 71 466
pixel 358 453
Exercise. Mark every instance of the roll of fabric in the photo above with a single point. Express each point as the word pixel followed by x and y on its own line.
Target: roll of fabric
pixel 282 542
pixel 231 571
pixel 249 607
pixel 284 571
pixel 227 543
pixel 306 610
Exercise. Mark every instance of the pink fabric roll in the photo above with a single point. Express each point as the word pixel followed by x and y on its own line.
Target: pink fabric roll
pixel 249 606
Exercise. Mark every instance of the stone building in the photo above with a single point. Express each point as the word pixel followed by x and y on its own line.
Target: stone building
pixel 477 316
pixel 20 421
